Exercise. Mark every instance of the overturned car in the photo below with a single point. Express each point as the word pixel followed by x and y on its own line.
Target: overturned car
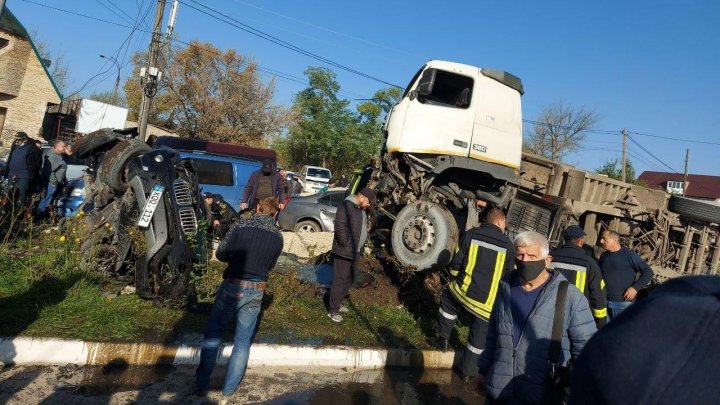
pixel 142 215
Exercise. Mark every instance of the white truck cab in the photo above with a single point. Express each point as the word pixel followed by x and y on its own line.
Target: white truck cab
pixel 455 137
pixel 314 178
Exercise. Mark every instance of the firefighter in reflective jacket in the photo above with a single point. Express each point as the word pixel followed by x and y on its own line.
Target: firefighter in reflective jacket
pixel 484 257
pixel 582 271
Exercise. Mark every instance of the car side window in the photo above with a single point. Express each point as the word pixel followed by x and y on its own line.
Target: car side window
pixel 332 200
pixel 213 172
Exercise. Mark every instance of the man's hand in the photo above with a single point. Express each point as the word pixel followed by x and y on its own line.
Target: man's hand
pixel 281 206
pixel 216 223
pixel 243 206
pixel 630 294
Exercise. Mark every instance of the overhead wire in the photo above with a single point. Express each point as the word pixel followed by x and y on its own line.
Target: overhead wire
pixel 651 154
pixel 220 16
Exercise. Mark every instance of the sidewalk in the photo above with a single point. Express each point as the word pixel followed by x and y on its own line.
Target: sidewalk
pixel 29 351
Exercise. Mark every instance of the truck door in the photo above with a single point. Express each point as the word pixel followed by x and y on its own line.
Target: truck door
pixel 497 129
pixel 438 115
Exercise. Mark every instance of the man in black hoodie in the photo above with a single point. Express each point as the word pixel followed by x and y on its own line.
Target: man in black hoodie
pixel 350 236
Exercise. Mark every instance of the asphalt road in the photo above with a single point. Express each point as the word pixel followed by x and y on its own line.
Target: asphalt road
pixel 68 385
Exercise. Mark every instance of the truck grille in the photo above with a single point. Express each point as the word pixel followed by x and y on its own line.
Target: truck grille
pixel 182 192
pixel 188 222
pixel 531 214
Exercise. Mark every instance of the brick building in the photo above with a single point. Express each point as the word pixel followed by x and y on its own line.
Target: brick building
pixel 26 88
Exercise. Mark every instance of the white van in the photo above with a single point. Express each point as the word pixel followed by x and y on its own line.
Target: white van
pixel 314 178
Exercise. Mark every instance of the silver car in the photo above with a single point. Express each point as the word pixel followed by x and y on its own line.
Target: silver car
pixel 313 213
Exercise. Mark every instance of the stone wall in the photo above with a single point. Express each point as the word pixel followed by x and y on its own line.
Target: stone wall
pixel 25 88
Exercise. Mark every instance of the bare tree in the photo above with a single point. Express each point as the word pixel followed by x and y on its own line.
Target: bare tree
pixel 558 130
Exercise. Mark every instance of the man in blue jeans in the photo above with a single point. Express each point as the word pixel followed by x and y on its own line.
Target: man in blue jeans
pixel 620 267
pixel 251 247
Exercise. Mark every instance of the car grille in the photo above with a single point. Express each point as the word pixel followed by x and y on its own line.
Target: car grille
pixel 182 192
pixel 188 222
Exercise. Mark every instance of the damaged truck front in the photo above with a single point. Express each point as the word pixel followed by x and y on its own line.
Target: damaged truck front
pixel 455 138
pixel 143 215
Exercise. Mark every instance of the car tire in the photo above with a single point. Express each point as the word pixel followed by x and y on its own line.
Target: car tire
pixel 88 144
pixel 307 226
pixel 112 168
pixel 424 236
pixel 694 210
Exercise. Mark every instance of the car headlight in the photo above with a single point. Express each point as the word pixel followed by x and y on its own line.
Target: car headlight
pixel 77 192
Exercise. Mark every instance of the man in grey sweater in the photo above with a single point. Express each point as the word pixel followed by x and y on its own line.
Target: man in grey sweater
pixel 52 175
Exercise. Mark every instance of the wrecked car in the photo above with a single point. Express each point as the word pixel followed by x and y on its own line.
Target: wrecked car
pixel 142 215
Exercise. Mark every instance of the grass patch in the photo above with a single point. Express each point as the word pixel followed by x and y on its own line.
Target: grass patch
pixel 44 293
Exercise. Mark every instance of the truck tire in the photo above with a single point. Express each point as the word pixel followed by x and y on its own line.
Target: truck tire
pixel 424 236
pixel 695 210
pixel 112 168
pixel 86 145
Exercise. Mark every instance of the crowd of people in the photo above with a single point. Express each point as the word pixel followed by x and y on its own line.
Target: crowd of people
pixel 534 311
pixel 31 171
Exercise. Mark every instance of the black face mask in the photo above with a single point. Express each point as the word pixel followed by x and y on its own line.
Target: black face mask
pixel 530 270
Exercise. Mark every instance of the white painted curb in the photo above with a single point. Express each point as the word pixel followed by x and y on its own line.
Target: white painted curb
pixel 28 351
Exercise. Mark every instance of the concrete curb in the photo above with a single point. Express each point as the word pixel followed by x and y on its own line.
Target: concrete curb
pixel 29 351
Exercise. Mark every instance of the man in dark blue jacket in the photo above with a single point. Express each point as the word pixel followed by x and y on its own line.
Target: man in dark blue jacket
pixel 250 248
pixel 351 231
pixel 23 167
pixel 619 266
pixel 485 256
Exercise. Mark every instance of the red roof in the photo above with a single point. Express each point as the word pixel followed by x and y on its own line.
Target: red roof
pixel 699 185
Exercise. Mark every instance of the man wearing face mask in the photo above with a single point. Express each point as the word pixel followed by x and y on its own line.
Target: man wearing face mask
pixel 484 257
pixel 515 364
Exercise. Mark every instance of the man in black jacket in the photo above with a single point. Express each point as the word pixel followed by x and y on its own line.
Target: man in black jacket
pixel 582 271
pixel 350 236
pixel 23 167
pixel 485 256
pixel 251 249
pixel 264 182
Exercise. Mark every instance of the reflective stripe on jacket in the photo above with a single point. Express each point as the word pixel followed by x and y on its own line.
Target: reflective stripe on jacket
pixel 583 272
pixel 484 257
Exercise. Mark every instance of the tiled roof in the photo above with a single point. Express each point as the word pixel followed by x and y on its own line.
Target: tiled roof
pixel 700 185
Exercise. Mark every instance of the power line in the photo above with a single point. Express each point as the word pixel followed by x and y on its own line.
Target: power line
pixel 675 139
pixel 651 155
pixel 590 131
pixel 261 34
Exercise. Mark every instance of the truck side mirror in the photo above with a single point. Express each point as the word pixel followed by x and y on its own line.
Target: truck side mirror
pixel 427 82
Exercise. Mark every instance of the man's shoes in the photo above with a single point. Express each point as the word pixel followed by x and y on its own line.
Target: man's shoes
pixel 343 309
pixel 335 317
pixel 439 343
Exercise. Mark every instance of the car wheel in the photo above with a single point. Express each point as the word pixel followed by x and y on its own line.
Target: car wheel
pixel 424 236
pixel 112 168
pixel 693 209
pixel 307 226
pixel 88 144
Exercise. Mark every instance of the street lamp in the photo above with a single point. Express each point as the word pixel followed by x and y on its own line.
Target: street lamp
pixel 117 78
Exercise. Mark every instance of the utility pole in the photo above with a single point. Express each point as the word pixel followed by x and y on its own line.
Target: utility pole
pixel 624 154
pixel 151 74
pixel 685 176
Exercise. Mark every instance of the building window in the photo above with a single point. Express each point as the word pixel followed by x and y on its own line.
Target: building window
pixel 4 42
pixel 675 187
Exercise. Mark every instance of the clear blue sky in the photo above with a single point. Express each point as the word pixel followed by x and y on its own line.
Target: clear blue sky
pixel 652 67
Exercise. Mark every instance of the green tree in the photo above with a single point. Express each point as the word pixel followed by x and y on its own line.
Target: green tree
pixel 558 130
pixel 613 169
pixel 328 133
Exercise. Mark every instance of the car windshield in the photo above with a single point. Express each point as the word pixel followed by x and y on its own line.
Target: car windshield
pixel 321 173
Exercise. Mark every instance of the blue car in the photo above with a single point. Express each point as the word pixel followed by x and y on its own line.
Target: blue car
pixel 217 174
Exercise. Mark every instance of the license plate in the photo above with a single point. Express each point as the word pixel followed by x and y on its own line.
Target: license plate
pixel 150 206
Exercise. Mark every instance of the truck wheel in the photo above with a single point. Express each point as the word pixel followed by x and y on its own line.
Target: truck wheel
pixel 307 226
pixel 693 209
pixel 424 236
pixel 112 168
pixel 86 145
